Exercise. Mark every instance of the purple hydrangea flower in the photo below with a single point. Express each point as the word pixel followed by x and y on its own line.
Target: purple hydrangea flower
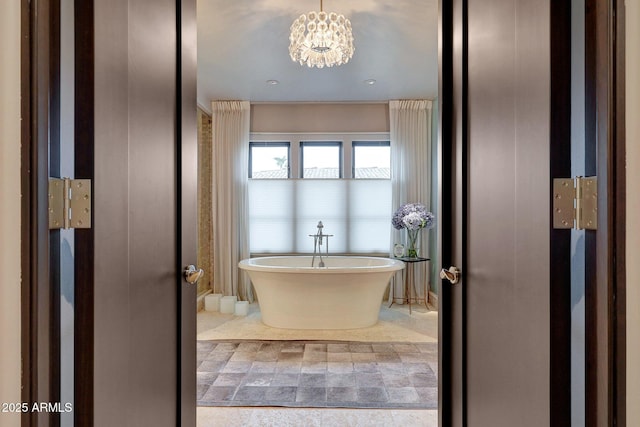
pixel 412 216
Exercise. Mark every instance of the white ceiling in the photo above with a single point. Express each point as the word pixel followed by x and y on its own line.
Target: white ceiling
pixel 244 43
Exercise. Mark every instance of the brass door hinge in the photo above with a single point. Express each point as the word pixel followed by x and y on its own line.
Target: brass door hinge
pixel 69 203
pixel 575 203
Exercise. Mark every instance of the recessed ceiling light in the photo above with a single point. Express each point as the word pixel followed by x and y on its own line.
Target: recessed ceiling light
pixel 370 81
pixel 272 82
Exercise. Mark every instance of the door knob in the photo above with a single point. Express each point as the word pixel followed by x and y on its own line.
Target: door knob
pixel 452 275
pixel 192 274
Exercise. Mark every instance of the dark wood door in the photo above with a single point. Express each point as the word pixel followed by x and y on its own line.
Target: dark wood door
pixel 505 132
pixel 497 145
pixel 138 324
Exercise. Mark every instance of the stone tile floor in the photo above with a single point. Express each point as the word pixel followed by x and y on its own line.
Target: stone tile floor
pixel 396 324
pixel 317 374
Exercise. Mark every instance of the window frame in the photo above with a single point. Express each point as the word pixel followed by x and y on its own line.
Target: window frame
pixel 314 143
pixel 253 144
pixel 295 138
pixel 355 144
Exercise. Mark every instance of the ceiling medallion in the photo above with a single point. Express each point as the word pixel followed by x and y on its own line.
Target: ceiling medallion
pixel 321 40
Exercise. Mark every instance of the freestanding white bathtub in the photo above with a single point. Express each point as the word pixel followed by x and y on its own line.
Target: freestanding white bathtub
pixel 345 294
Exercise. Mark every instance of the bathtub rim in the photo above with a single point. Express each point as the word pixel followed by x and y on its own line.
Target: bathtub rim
pixel 250 264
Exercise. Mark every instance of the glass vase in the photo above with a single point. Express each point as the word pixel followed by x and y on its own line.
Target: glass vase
pixel 413 242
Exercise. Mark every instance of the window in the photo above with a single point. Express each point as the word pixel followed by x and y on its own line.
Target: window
pixel 371 159
pixel 320 156
pixel 283 213
pixel 269 160
pixel 320 168
pixel 321 160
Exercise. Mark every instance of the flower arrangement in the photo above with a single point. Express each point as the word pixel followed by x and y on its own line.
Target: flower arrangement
pixel 413 217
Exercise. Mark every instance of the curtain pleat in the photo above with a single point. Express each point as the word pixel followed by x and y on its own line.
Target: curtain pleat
pixel 229 202
pixel 410 134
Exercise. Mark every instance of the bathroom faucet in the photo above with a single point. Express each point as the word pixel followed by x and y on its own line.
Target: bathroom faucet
pixel 319 233
pixel 317 244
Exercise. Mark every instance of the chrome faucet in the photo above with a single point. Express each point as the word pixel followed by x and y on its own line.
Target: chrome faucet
pixel 318 240
pixel 319 233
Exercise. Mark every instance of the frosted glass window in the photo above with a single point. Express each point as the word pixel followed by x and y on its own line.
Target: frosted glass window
pixel 326 201
pixel 271 214
pixel 370 215
pixel 283 213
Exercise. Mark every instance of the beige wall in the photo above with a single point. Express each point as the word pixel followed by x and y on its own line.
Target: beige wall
pixel 320 117
pixel 633 208
pixel 10 207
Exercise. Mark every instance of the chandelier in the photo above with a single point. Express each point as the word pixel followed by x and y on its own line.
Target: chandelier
pixel 327 41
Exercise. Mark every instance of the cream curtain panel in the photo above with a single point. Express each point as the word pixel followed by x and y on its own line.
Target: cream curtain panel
pixel 229 202
pixel 410 134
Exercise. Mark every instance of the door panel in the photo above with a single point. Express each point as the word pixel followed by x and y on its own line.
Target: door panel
pixel 152 220
pixel 142 120
pixel 508 249
pixel 500 121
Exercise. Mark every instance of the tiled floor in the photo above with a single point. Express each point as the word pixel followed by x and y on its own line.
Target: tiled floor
pixel 395 322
